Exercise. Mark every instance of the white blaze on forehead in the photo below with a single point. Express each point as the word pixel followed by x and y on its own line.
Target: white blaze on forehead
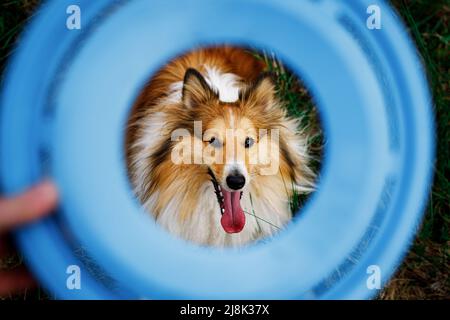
pixel 225 84
pixel 231 118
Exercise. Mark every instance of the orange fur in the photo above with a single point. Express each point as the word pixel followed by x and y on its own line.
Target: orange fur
pixel 257 108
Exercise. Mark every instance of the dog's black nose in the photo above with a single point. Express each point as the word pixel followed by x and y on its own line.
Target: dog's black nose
pixel 236 181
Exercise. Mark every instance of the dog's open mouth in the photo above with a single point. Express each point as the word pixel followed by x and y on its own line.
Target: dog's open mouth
pixel 233 217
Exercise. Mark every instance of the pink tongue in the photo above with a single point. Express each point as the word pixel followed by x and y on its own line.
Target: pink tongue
pixel 233 218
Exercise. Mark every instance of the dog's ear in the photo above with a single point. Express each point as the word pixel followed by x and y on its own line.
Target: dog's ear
pixel 195 89
pixel 261 92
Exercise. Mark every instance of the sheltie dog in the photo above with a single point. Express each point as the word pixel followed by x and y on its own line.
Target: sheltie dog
pixel 211 152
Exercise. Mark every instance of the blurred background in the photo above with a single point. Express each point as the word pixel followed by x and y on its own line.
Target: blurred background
pixel 425 273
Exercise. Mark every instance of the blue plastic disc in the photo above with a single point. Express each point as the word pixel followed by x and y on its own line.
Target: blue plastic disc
pixel 63 114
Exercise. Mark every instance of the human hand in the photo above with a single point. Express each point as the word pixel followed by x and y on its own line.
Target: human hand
pixel 31 205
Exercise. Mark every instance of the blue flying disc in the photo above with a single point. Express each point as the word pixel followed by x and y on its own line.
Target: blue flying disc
pixel 65 102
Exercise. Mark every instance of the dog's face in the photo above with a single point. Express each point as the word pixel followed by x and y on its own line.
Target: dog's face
pixel 230 140
pixel 235 139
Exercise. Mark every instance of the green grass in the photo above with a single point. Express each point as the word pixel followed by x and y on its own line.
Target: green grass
pixel 425 272
pixel 14 15
pixel 428 23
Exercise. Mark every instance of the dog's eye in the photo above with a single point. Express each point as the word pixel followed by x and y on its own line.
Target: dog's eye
pixel 214 142
pixel 249 142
